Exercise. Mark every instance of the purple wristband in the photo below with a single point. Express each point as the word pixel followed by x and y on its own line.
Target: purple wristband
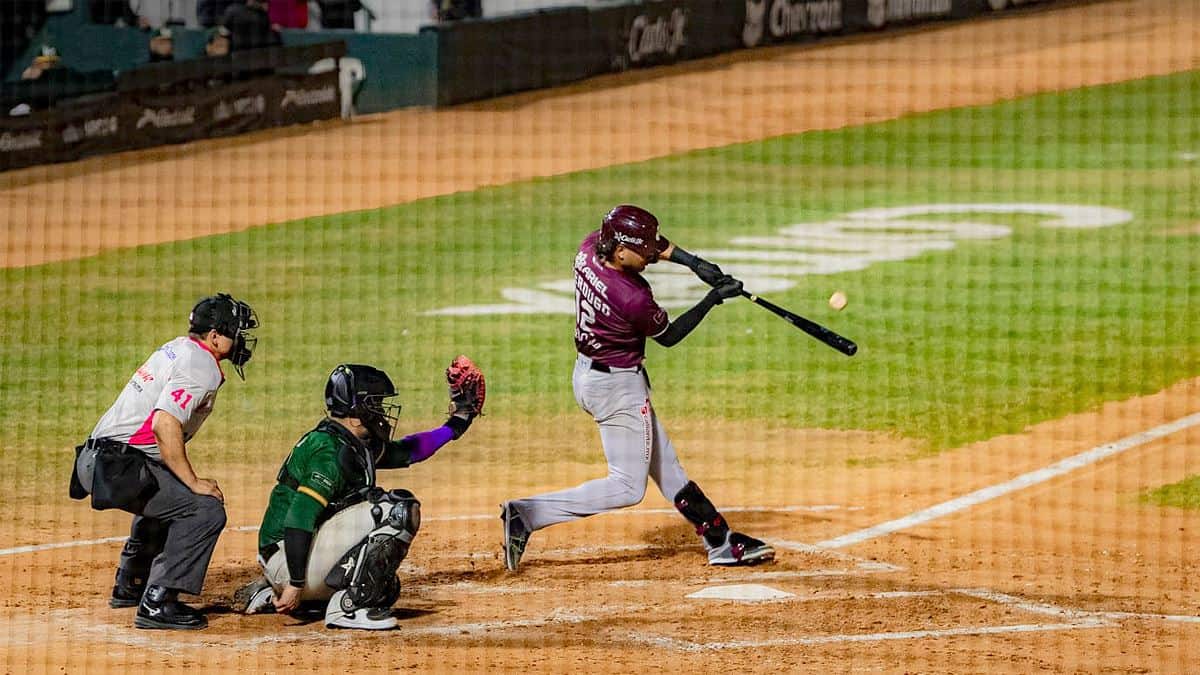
pixel 428 442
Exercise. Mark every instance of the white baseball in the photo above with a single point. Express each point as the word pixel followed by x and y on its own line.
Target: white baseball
pixel 837 300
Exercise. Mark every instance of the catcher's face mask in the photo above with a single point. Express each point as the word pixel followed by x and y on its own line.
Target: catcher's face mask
pixel 380 415
pixel 244 339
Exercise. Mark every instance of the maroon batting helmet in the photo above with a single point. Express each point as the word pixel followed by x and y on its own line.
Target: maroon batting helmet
pixel 634 228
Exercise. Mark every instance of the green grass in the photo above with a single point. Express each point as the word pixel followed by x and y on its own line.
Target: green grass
pixel 1185 494
pixel 956 346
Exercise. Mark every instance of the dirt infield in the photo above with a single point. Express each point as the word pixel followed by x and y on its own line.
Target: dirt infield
pixel 1070 574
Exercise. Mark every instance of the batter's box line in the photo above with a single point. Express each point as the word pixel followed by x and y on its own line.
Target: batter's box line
pixel 1067 612
pixel 812 640
pixel 863 564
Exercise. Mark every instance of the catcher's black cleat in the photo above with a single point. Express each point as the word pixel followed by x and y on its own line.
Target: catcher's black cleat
pixel 255 597
pixel 516 536
pixel 740 549
pixel 160 609
pixel 128 590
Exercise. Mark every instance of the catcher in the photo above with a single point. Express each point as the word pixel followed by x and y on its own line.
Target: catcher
pixel 329 534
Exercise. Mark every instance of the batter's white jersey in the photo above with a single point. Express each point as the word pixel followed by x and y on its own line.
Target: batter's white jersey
pixel 181 379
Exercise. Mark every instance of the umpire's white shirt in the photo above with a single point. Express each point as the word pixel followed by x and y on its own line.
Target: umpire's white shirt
pixel 181 379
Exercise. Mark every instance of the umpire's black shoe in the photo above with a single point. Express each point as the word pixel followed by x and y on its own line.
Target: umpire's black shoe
pixel 128 590
pixel 160 609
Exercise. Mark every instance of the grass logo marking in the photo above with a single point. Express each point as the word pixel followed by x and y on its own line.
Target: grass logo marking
pixel 849 243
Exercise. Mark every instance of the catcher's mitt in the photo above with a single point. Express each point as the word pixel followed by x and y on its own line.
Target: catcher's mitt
pixel 467 387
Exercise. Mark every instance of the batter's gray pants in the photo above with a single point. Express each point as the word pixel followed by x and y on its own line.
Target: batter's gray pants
pixel 635 445
pixel 173 538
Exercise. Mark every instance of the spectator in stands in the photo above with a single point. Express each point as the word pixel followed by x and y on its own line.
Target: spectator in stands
pixel 45 61
pixel 288 13
pixel 48 80
pixel 250 26
pixel 338 13
pixel 118 12
pixel 162 45
pixel 209 12
pixel 454 10
pixel 218 42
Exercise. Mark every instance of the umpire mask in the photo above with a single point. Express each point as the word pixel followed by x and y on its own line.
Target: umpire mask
pixel 232 318
pixel 360 391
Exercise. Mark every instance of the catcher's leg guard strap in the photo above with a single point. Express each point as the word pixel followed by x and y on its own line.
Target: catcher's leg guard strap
pixel 700 512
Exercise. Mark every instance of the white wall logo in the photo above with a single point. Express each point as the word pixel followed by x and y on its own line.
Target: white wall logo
pixel 787 18
pixel 752 30
pixel 663 35
pixel 876 13
pixel 164 118
pixel 100 127
pixel 304 98
pixel 27 140
pixel 240 107
pixel 850 243
pixel 904 10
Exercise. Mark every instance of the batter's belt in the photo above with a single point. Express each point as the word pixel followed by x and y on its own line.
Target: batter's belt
pixel 605 368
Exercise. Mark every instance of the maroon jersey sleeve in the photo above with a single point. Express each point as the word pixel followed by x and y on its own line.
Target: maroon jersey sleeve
pixel 647 317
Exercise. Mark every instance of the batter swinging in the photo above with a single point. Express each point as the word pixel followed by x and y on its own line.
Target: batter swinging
pixel 615 313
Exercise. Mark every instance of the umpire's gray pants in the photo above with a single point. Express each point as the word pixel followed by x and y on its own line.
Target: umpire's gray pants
pixel 635 444
pixel 171 542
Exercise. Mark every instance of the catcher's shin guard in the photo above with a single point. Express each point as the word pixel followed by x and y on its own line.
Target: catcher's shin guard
pixel 367 572
pixel 701 513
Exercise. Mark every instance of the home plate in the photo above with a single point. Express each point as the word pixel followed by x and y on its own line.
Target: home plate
pixel 742 592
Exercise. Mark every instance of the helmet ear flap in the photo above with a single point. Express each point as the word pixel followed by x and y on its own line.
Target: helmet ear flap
pixel 339 392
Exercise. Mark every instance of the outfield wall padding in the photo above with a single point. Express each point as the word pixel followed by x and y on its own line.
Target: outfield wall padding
pixel 479 59
pixel 144 118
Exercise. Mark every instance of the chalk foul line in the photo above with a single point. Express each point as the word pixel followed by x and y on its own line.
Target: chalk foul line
pixel 1020 482
pixel 689 646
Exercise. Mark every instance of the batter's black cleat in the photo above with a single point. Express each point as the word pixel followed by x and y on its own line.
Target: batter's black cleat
pixel 160 609
pixel 740 549
pixel 516 536
pixel 128 590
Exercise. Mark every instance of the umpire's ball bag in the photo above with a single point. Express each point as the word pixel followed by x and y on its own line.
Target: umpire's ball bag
pixel 122 480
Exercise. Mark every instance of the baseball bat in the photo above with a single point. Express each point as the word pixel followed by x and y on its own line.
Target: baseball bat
pixel 838 342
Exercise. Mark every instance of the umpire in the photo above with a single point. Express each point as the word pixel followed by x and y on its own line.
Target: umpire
pixel 136 460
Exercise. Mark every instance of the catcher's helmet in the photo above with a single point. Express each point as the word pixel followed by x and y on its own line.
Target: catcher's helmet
pixel 232 318
pixel 361 391
pixel 634 228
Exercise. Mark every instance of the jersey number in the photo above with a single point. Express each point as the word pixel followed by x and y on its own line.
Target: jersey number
pixel 586 315
pixel 181 394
